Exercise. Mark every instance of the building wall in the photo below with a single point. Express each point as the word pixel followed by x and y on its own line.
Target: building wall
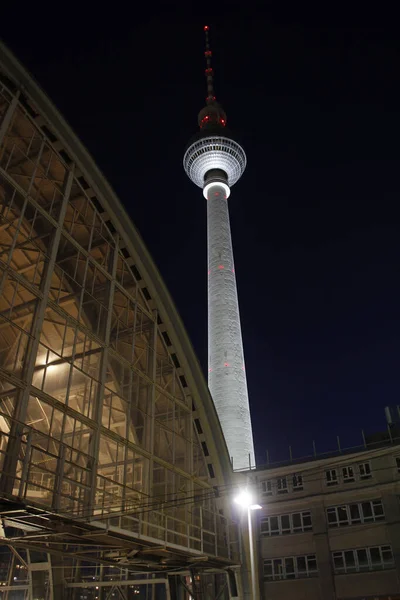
pixel 368 533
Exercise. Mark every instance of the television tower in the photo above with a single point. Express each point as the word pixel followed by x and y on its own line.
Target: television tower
pixel 215 161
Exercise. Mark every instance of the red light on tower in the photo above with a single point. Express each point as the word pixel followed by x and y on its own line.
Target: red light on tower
pixel 206 28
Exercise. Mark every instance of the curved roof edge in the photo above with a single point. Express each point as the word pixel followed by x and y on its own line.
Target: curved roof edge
pixel 130 235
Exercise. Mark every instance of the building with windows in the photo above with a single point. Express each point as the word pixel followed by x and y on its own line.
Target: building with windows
pixel 111 452
pixel 330 527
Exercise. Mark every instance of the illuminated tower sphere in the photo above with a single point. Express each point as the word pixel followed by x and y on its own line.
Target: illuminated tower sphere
pixel 215 161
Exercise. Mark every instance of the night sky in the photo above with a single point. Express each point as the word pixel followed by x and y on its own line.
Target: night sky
pixel 314 97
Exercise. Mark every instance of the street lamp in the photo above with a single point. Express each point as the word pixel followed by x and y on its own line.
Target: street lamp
pixel 245 500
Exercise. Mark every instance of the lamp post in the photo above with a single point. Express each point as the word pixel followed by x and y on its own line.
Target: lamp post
pixel 246 501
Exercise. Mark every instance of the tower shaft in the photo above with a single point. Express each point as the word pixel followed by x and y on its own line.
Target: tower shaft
pixel 226 368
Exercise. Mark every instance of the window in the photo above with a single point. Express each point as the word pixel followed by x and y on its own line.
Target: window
pixel 297 482
pixel 363 559
pixel 348 474
pixel 398 463
pixel 282 486
pixel 351 514
pixel 331 477
pixel 365 470
pixel 286 524
pixel 266 487
pixel 290 567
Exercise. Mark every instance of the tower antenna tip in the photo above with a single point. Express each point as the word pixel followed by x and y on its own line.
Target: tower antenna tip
pixel 206 28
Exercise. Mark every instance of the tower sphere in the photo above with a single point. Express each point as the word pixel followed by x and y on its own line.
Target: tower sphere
pixel 214 152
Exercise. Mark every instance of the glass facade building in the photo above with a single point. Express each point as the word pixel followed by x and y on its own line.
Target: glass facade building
pixel 110 448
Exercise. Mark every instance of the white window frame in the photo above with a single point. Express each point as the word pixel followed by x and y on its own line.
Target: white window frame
pixel 280 566
pixel 350 521
pixel 282 489
pixel 384 564
pixel 348 475
pixel 366 467
pixel 297 482
pixel 266 487
pixel 333 480
pixel 284 531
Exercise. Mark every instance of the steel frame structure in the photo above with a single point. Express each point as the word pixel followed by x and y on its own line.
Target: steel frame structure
pixel 110 447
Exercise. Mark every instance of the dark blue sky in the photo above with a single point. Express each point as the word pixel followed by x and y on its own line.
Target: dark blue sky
pixel 315 100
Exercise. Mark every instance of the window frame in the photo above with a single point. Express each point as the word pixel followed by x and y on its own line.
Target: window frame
pixel 284 489
pixel 297 482
pixel 266 528
pixel 368 472
pixel 283 573
pixel 363 519
pixel 348 474
pixel 339 555
pixel 331 481
pixel 266 487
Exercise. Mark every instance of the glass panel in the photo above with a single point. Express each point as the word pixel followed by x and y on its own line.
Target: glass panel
pixel 332 517
pixel 268 569
pixel 289 568
pixel 355 513
pixel 274 525
pixel 375 556
pixel 264 526
pixel 387 554
pixel 378 509
pixel 301 564
pixel 362 558
pixel 338 560
pixel 349 560
pixel 342 515
pixel 307 521
pixel 285 521
pixel 367 511
pixel 296 521
pixel 311 562
pixel 278 568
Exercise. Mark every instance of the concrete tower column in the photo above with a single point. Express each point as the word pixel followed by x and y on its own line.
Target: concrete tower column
pixel 226 367
pixel 215 161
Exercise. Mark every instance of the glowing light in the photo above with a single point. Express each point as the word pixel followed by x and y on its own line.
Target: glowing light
pixel 245 499
pixel 208 186
pixel 207 53
pixel 206 28
pixel 208 71
pixel 221 267
pixel 226 364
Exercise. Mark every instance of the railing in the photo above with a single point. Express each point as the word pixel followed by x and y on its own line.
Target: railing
pixel 52 474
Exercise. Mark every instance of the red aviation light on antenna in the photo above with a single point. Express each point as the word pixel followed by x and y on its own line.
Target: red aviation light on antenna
pixel 208 71
pixel 206 28
pixel 208 53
